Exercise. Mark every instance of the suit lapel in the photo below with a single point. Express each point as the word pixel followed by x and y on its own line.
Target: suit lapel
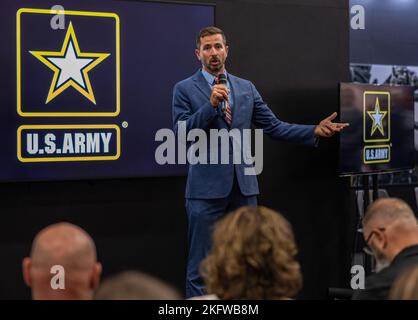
pixel 236 97
pixel 201 83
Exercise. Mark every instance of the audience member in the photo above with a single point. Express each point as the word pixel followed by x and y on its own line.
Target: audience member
pixel 390 231
pixel 134 285
pixel 62 264
pixel 252 257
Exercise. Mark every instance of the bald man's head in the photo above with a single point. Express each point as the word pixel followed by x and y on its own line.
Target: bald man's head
pixel 65 245
pixel 389 226
pixel 387 210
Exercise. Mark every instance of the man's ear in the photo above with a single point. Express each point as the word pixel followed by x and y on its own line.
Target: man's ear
pixel 26 270
pixel 95 277
pixel 381 238
pixel 385 240
pixel 226 50
pixel 197 53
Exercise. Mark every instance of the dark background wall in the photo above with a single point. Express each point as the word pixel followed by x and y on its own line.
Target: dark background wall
pixel 295 52
pixel 389 36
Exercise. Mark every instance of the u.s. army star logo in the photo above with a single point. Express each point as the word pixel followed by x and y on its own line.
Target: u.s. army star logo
pixel 70 66
pixel 376 127
pixel 377 116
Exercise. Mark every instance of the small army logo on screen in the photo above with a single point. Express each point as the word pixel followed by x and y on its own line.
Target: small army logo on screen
pixel 376 127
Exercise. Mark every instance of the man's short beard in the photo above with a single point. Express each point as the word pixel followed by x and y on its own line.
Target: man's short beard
pixel 214 68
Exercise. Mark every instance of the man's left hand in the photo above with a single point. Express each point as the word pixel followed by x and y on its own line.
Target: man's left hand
pixel 326 128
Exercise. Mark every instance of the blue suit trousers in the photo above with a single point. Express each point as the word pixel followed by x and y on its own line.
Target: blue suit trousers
pixel 202 215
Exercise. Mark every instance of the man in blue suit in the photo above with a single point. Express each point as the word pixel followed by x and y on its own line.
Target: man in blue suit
pixel 202 103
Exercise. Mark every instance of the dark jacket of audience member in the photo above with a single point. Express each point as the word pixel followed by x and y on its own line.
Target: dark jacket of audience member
pixel 379 284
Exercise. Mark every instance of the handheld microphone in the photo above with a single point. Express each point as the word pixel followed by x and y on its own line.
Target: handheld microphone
pixel 222 80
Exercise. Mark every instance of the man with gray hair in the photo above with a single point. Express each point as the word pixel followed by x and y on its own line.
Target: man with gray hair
pixel 62 264
pixel 390 230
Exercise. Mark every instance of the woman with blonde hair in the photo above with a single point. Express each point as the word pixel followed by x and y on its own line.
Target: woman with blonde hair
pixel 252 257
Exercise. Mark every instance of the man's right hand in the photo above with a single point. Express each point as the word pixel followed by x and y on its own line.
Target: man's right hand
pixel 219 94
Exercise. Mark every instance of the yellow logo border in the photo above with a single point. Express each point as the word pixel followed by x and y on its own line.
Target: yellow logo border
pixel 365 93
pixel 67 159
pixel 18 57
pixel 376 161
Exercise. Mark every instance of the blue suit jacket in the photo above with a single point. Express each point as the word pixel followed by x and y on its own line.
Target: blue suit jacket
pixel 191 103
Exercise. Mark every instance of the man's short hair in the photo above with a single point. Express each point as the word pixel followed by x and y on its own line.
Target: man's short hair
pixel 388 209
pixel 209 31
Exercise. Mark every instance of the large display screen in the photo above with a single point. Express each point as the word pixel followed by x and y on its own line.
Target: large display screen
pixel 380 137
pixel 86 85
pixel 384 45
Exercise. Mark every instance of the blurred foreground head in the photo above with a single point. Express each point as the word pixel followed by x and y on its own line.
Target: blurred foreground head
pixel 135 285
pixel 253 257
pixel 62 264
pixel 406 285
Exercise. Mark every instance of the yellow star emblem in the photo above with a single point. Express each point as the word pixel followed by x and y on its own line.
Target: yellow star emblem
pixel 70 67
pixel 377 117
